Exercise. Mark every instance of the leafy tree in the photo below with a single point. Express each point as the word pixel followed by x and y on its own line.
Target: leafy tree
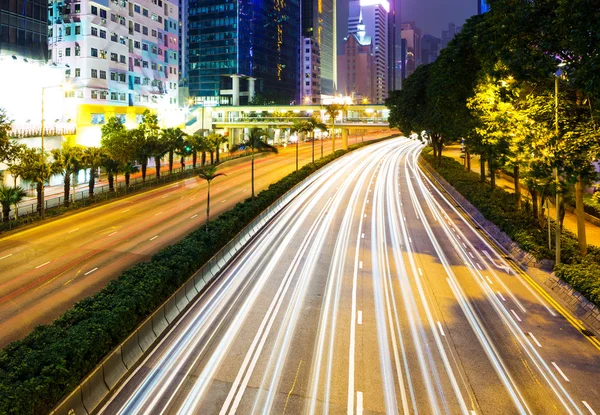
pixel 148 144
pixel 5 142
pixel 16 153
pixel 36 169
pixel 173 138
pixel 10 196
pixel 93 158
pixel 68 160
pixel 209 173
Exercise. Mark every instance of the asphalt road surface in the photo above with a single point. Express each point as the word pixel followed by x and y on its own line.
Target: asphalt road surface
pixel 46 268
pixel 368 294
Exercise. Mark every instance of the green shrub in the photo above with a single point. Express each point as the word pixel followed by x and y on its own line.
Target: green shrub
pixel 37 371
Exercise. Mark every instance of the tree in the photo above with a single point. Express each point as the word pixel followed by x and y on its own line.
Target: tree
pixel 14 161
pixel 5 142
pixel 209 173
pixel 173 139
pixel 332 110
pixel 147 138
pixel 301 127
pixel 10 196
pixel 93 158
pixel 119 147
pixel 67 161
pixel 315 124
pixel 36 169
pixel 112 168
pixel 128 169
pixel 216 140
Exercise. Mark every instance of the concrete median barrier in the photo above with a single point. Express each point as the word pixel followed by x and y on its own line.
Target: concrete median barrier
pixel 159 322
pixel 131 350
pixel 146 335
pixel 181 300
pixel 190 290
pixel 198 280
pixel 114 368
pixel 94 389
pixel 171 310
pixel 72 405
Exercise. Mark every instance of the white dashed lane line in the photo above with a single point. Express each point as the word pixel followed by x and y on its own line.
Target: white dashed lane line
pixel 560 371
pixel 194 216
pixel 90 271
pixel 515 314
pixel 44 264
pixel 73 230
pixel 153 238
pixel 112 233
pixel 6 256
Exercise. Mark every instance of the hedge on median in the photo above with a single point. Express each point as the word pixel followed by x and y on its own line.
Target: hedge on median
pixel 36 372
pixel 498 206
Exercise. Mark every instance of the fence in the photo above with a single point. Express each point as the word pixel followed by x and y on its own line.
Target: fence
pixel 92 391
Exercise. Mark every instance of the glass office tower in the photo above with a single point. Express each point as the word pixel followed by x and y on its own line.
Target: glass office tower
pixel 256 39
pixel 24 29
pixel 482 6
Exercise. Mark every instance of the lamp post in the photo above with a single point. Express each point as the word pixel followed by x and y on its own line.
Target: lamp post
pixel 43 202
pixel 556 178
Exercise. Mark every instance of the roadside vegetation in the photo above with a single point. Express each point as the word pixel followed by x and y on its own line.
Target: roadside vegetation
pixel 519 87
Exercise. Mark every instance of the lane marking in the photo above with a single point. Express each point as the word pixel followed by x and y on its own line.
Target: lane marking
pixel 127 210
pixel 73 230
pixel 359 317
pixel 45 263
pixel 193 198
pixel 420 272
pixel 471 255
pixel 489 280
pixel 6 256
pixel 90 271
pixel 362 236
pixel 159 213
pixel 360 264
pixel 359 403
pixel 367 200
pixel 194 216
pixel 154 237
pixel 515 314
pixel 112 233
pixel 223 201
pixel 535 340
pixel 481 269
pixel 501 296
pixel 365 215
pixel 589 408
pixel 441 329
pixel 463 244
pixel 409 240
pixel 164 196
pixel 560 371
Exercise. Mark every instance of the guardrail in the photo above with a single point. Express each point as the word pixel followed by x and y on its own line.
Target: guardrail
pixel 92 391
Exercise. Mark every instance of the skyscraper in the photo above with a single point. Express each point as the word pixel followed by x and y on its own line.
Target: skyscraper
pixel 24 29
pixel 412 34
pixel 355 67
pixel 394 47
pixel 256 40
pixel 482 6
pixel 373 14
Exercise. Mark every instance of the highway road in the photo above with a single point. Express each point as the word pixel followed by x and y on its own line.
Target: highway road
pixel 368 294
pixel 47 267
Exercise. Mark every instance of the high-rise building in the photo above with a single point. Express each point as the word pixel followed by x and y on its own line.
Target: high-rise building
pixel 355 67
pixel 430 49
pixel 24 29
pixel 119 52
pixel 310 72
pixel 373 14
pixel 183 55
pixel 412 34
pixel 319 23
pixel 259 41
pixel 394 47
pixel 482 6
pixel 448 35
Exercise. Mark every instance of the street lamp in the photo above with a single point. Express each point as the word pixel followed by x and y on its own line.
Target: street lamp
pixel 557 224
pixel 65 87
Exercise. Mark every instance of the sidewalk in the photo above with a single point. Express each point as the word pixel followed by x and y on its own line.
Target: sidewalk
pixel 506 183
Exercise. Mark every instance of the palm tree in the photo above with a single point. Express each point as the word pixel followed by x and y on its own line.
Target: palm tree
pixel 93 158
pixel 111 166
pixel 10 196
pixel 158 148
pixel 209 173
pixel 67 161
pixel 128 169
pixel 173 138
pixel 254 137
pixel 332 110
pixel 302 127
pixel 316 124
pixel 216 141
pixel 35 169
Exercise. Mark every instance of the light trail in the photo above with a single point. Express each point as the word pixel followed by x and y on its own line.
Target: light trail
pixel 312 317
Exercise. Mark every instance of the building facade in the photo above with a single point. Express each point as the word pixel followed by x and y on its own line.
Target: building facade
pixel 482 6
pixel 24 29
pixel 412 34
pixel 373 14
pixel 260 40
pixel 355 67
pixel 430 49
pixel 117 52
pixel 310 72
pixel 394 47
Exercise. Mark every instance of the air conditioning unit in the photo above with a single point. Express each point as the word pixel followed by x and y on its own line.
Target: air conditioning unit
pixel 103 22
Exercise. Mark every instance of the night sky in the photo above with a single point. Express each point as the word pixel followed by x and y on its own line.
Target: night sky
pixel 431 16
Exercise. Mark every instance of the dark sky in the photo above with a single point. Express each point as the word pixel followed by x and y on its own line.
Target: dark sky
pixel 431 16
